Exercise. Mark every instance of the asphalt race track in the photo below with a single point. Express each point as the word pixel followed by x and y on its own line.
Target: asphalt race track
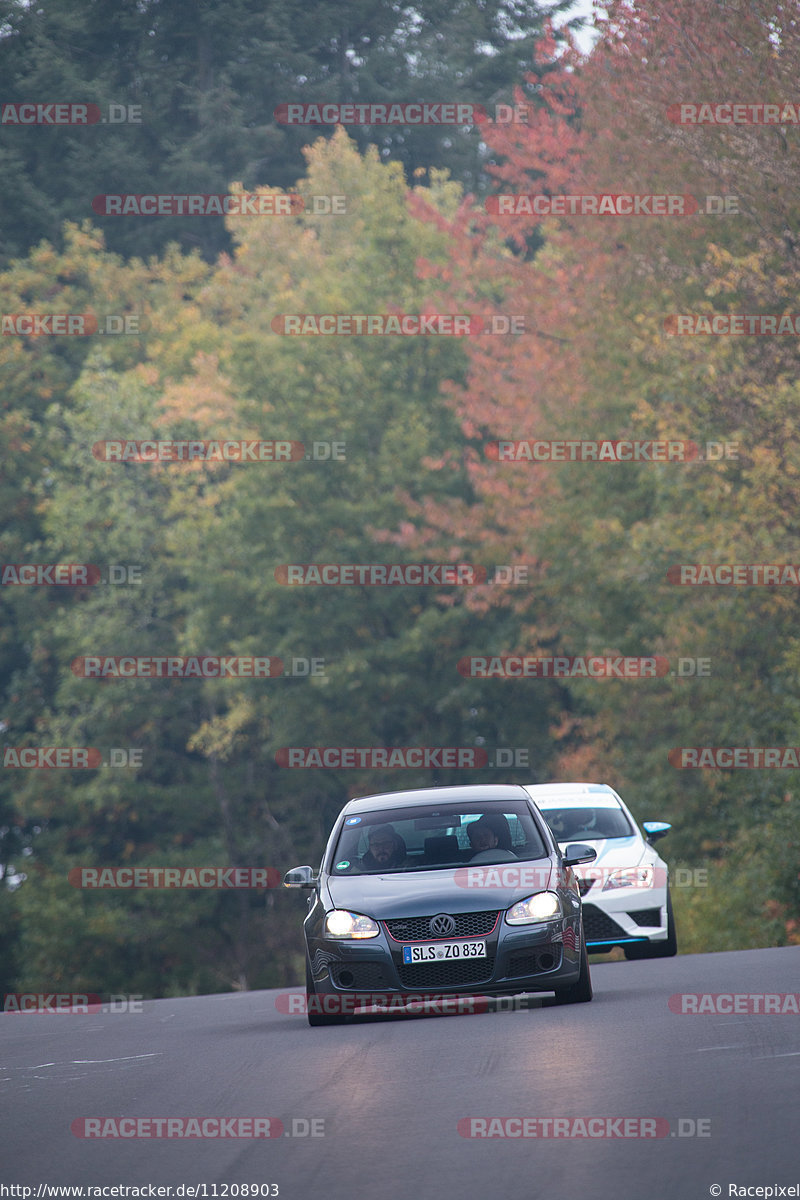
pixel 387 1094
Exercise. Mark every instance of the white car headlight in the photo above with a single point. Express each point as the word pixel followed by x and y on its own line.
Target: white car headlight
pixel 635 877
pixel 342 924
pixel 541 906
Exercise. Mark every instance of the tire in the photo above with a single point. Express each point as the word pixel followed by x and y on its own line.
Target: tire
pixel 316 1018
pixel 579 992
pixel 666 949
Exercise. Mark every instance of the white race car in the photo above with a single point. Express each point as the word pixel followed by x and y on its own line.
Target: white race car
pixel 625 891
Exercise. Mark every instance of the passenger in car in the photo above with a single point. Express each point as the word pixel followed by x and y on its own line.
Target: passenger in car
pixel 489 832
pixel 481 835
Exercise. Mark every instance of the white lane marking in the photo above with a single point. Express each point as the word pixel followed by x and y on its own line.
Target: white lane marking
pixel 80 1062
pixel 128 1058
pixel 739 1046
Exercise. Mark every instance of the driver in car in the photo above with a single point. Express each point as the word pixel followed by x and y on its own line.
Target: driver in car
pixel 386 851
pixel 584 823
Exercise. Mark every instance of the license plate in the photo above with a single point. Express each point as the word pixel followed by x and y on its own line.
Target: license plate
pixel 441 951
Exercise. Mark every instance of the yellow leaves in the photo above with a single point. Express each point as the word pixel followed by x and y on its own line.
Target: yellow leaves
pixel 147 373
pixel 206 397
pixel 222 735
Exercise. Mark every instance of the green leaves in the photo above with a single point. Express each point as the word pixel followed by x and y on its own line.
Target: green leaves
pixel 363 666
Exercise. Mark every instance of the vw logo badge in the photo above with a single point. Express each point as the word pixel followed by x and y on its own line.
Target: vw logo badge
pixel 442 925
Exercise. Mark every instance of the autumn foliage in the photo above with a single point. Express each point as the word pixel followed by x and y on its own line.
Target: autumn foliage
pixel 602 359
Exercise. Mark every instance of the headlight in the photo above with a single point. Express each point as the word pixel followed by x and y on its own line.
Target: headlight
pixel 342 924
pixel 637 877
pixel 542 906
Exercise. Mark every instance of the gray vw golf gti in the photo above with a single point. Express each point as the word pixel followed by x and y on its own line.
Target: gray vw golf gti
pixel 442 892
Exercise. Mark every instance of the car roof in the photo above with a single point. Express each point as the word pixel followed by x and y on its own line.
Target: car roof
pixel 573 795
pixel 456 794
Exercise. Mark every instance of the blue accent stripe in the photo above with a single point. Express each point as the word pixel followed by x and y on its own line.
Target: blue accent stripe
pixel 617 941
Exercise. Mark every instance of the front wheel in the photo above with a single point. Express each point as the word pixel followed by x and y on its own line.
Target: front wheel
pixel 666 949
pixel 579 992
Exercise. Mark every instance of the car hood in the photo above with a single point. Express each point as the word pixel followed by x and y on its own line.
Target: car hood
pixel 612 853
pixel 420 893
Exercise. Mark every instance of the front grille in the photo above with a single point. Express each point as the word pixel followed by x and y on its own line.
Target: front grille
pixel 646 916
pixel 363 976
pixel 417 929
pixel 421 977
pixel 598 926
pixel 545 958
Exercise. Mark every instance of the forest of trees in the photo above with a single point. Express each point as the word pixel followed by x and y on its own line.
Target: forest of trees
pixel 416 450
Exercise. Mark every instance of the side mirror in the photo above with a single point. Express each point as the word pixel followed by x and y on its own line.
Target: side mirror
pixel 299 877
pixel 655 830
pixel 576 853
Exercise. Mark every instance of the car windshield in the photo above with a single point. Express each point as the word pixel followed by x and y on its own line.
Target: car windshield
pixel 436 836
pixel 585 824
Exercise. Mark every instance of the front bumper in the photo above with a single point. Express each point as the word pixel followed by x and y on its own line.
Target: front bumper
pixel 542 957
pixel 632 916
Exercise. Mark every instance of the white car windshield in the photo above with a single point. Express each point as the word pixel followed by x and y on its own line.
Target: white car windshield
pixel 583 824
